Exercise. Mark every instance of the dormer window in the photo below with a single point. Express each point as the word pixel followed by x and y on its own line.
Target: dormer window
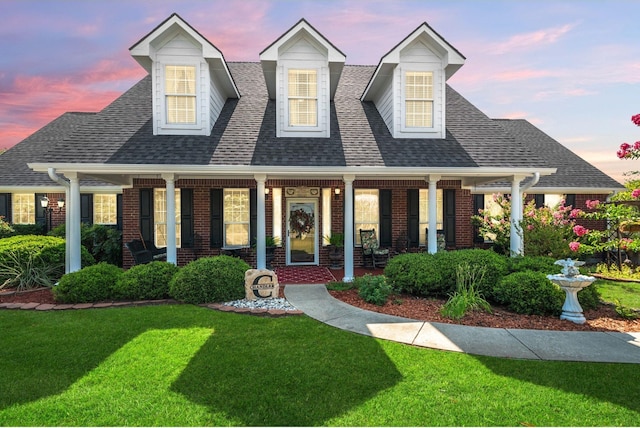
pixel 303 98
pixel 180 94
pixel 418 99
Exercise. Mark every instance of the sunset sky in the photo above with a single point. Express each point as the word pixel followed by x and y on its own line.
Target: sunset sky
pixel 572 68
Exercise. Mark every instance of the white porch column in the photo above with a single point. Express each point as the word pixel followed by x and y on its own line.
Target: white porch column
pixel 516 244
pixel 348 228
pixel 432 245
pixel 172 252
pixel 261 233
pixel 75 240
pixel 67 232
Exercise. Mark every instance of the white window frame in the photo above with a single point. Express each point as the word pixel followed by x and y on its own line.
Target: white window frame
pixel 160 217
pixel 20 202
pixel 228 222
pixel 99 206
pixel 423 200
pixel 288 99
pixel 369 219
pixel 166 94
pixel 406 99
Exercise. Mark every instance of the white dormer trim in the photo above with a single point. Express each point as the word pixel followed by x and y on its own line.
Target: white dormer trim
pixel 270 56
pixel 302 48
pixel 422 50
pixel 175 42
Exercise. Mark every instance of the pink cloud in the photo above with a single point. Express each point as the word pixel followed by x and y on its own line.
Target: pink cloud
pixel 531 40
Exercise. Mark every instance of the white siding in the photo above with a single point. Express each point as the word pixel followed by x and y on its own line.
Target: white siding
pixel 216 101
pixel 302 53
pixel 384 104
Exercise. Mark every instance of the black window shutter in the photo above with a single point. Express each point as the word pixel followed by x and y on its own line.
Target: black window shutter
pixel 119 211
pixel 570 200
pixel 186 217
pixel 41 213
pixel 86 208
pixel 217 223
pixel 478 204
pixel 539 200
pixel 413 217
pixel 5 206
pixel 450 217
pixel 146 214
pixel 253 215
pixel 385 218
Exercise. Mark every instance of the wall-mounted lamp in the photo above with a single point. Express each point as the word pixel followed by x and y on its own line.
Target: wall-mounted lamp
pixel 60 204
pixel 266 191
pixel 337 193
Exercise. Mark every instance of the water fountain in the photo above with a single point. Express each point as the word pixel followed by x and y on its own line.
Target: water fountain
pixel 571 282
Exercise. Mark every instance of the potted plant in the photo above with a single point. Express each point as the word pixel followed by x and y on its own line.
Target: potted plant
pixel 336 249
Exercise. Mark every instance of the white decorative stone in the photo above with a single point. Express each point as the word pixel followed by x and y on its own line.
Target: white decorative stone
pixel 261 284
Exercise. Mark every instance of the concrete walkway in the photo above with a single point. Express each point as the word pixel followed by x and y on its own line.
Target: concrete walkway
pixel 611 347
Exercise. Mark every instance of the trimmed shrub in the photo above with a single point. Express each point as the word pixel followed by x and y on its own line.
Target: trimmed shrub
pixel 103 242
pixel 416 274
pixel 88 285
pixel 495 265
pixel 48 249
pixel 373 289
pixel 529 293
pixel 210 279
pixel 145 282
pixel 589 297
pixel 541 264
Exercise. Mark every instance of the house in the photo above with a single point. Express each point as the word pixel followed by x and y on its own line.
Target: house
pixel 211 156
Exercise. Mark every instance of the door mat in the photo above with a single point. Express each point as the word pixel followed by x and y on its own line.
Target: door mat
pixel 304 275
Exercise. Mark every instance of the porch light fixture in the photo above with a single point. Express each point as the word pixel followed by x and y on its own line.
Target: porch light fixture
pixel 60 204
pixel 44 202
pixel 266 191
pixel 337 192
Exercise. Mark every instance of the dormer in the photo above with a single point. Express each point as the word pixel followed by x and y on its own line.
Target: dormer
pixel 408 86
pixel 302 69
pixel 191 81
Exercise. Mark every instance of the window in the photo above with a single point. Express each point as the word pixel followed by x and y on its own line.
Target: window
pixel 160 217
pixel 492 209
pixel 553 201
pixel 424 213
pixel 303 98
pixel 366 211
pixel 419 99
pixel 180 92
pixel 24 208
pixel 105 209
pixel 236 217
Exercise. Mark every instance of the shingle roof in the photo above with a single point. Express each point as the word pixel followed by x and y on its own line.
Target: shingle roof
pixel 573 171
pixel 13 163
pixel 245 135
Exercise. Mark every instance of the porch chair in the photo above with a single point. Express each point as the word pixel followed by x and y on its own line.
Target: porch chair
pixel 145 251
pixel 372 255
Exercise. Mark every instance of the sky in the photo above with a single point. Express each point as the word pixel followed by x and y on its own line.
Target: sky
pixel 570 67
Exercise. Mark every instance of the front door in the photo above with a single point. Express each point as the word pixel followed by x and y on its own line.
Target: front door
pixel 302 232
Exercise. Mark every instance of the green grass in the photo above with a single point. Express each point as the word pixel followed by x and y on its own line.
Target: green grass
pixel 186 365
pixel 627 293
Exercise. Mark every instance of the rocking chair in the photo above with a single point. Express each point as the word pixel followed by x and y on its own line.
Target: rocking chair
pixel 372 255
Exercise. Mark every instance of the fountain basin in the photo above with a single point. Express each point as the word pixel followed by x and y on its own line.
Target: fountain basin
pixel 571 309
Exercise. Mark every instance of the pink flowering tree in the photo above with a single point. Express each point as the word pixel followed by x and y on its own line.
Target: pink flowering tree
pixel 620 214
pixel 546 231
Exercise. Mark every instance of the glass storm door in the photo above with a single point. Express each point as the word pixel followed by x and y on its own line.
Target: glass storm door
pixel 302 232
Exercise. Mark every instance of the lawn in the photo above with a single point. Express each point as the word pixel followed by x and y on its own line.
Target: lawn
pixel 627 293
pixel 186 365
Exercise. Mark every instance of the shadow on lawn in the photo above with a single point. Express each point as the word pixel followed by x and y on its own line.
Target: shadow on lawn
pixel 270 375
pixel 619 385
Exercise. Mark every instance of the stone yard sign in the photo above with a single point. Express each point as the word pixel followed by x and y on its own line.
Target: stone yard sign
pixel 261 284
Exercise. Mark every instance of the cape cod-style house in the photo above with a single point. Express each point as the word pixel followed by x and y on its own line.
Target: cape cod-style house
pixel 203 155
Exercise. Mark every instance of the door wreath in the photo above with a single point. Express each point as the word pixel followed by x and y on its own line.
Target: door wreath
pixel 301 222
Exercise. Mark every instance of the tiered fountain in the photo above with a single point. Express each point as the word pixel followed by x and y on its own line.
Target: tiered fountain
pixel 571 282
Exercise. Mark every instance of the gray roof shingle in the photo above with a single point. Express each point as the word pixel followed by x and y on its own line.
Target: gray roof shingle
pixel 245 135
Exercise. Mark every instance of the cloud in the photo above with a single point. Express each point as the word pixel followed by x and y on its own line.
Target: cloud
pixel 532 40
